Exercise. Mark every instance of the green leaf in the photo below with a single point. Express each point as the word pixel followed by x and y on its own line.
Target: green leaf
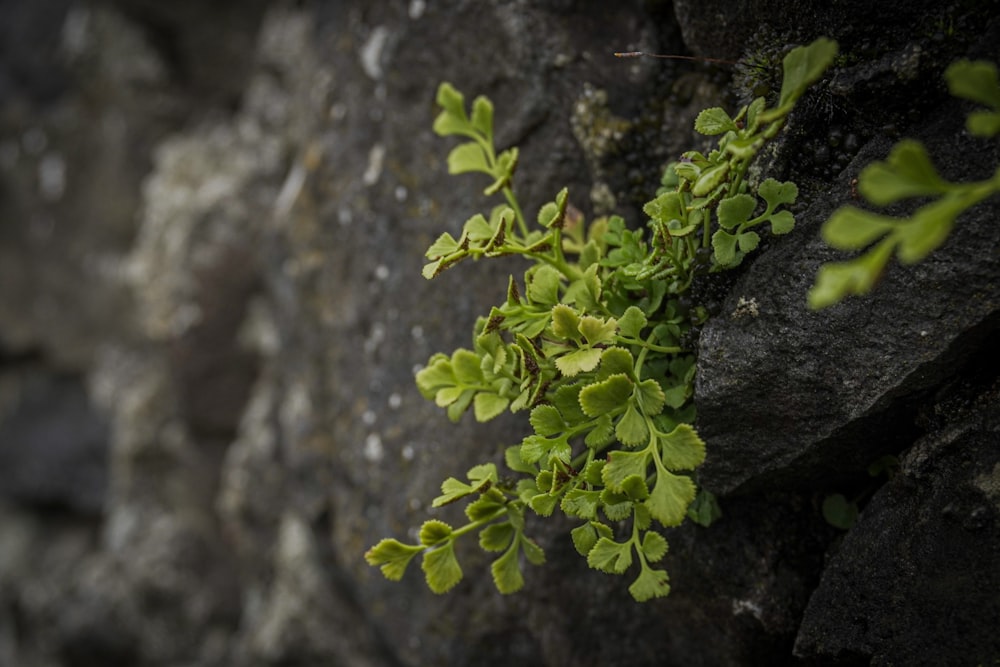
pixel 654 546
pixel 724 245
pixel 496 537
pixel 546 420
pixel 710 179
pixel 580 503
pixel 983 123
pixel 486 406
pixel 754 109
pixel 467 157
pixel 603 433
pixel 433 269
pixel 776 193
pixel 447 124
pixel 650 584
pixel 597 330
pixel 782 222
pixel 734 211
pixel 585 292
pixel 744 147
pixel 687 171
pixel 433 532
pixel 714 121
pixel 448 395
pixel 553 214
pixel 610 556
pixel 617 506
pixel 632 322
pixel 974 80
pixel 837 280
pixel 592 473
pixel 927 229
pixel 507 572
pixel 631 430
pixel 851 228
pixel 482 476
pixel 534 448
pixel 543 504
pixel 682 449
pixel 477 229
pixel 704 510
pixel 603 397
pixel 392 557
pixel 482 116
pixel 748 241
pixel 567 399
pixel 444 245
pixel 615 361
pixel 668 206
pixel 489 505
pixel 441 568
pixel 584 538
pixel 466 365
pixel 621 465
pixel 671 495
pixel 635 488
pixel 578 361
pixel 436 374
pixel 650 396
pixel 544 285
pixel 458 408
pixel 802 67
pixel 512 456
pixel 505 165
pixel 677 395
pixel 907 172
pixel 839 512
pixel 565 322
pixel 452 490
pixel 449 99
pixel 532 551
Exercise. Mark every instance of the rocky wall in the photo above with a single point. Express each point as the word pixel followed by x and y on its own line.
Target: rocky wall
pixel 212 222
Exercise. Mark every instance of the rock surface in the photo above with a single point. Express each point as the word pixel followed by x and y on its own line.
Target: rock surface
pixel 212 222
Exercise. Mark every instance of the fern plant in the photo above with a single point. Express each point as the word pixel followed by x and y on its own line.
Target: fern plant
pixel 908 173
pixel 595 346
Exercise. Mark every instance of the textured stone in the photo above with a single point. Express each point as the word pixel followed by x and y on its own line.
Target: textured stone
pixel 218 214
pixel 857 372
pixel 923 554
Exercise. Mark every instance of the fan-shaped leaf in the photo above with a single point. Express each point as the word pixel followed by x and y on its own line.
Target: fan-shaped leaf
pixel 441 568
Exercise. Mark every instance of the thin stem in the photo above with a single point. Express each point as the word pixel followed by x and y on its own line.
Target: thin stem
pixel 641 359
pixel 647 344
pixel 699 59
pixel 522 226
pixel 473 525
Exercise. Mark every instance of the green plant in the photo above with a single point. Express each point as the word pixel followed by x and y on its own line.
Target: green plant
pixel 595 347
pixel 908 173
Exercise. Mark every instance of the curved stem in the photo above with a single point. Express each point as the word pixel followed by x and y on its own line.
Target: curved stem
pixel 473 525
pixel 508 194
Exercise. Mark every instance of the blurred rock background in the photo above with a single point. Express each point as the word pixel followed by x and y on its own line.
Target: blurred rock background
pixel 212 220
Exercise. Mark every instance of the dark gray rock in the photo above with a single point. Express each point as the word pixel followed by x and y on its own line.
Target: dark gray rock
pixel 53 443
pixel 856 372
pixel 923 555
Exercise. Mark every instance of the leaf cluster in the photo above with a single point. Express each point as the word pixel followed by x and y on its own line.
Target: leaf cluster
pixel 590 343
pixel 908 173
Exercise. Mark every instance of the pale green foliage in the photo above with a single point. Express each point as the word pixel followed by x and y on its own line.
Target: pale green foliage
pixel 907 173
pixel 593 345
